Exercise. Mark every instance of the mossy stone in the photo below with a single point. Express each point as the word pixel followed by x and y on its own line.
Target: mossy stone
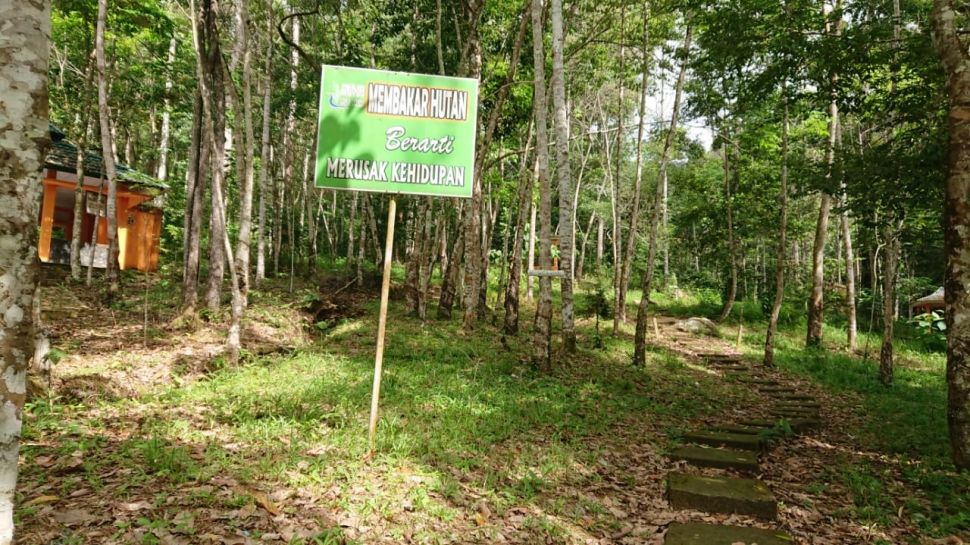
pixel 696 533
pixel 721 495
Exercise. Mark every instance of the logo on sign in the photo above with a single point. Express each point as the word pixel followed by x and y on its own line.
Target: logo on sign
pixel 347 95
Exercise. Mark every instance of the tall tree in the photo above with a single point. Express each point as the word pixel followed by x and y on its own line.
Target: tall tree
pixel 732 239
pixel 640 337
pixel 246 141
pixel 264 157
pixel 542 335
pixel 953 52
pixel 24 48
pixel 526 181
pixel 107 151
pixel 633 234
pixel 566 231
pixel 769 357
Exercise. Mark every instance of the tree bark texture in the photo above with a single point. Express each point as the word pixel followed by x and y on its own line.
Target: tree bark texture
pixel 107 149
pixel 24 49
pixel 817 294
pixel 890 263
pixel 542 335
pixel 563 173
pixel 956 63
pixel 264 157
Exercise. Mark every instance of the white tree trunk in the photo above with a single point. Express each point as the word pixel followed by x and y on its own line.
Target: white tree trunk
pixel 245 154
pixel 162 172
pixel 542 338
pixel 107 148
pixel 24 44
pixel 563 172
pixel 264 162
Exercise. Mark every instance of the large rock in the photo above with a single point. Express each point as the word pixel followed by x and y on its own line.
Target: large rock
pixel 697 326
pixel 696 533
pixel 721 495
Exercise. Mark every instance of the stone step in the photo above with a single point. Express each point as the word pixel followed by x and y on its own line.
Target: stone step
pixel 743 460
pixel 799 404
pixel 718 356
pixel 721 495
pixel 792 397
pixel 738 428
pixel 814 411
pixel 724 439
pixel 794 414
pixel 798 425
pixel 730 366
pixel 697 533
pixel 776 390
pixel 760 381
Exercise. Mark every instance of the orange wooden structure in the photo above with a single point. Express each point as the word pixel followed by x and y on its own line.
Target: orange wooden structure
pixel 139 219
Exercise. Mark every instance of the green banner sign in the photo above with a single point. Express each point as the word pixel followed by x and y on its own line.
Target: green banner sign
pixel 394 132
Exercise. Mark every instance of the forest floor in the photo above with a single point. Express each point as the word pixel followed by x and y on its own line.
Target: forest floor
pixel 150 437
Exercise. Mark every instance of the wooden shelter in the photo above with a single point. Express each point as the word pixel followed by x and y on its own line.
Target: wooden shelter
pixel 138 208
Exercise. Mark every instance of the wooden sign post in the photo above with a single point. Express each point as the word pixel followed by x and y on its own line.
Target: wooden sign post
pixel 399 134
pixel 382 322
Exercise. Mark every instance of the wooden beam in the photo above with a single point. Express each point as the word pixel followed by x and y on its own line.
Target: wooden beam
pixel 46 222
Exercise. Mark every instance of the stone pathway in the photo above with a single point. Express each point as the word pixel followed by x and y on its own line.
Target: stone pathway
pixel 733 451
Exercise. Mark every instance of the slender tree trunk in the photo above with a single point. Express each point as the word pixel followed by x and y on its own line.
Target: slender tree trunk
pixel 890 260
pixel 162 172
pixel 194 184
pixel 350 232
pixel 581 262
pixel 473 219
pixel 279 196
pixel 769 357
pixel 24 53
pixel 214 97
pixel 79 198
pixel 438 40
pixel 575 209
pixel 264 158
pixel 532 236
pixel 244 154
pixel 626 263
pixel 732 244
pixel 816 297
pixel 111 210
pixel 542 337
pixel 477 254
pixel 566 231
pixel 451 273
pixel 640 338
pixel 816 300
pixel 526 180
pixel 288 139
pixel 850 295
pixel 600 232
pixel 217 256
pixel 361 249
pixel 619 286
pixel 426 257
pixel 412 267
